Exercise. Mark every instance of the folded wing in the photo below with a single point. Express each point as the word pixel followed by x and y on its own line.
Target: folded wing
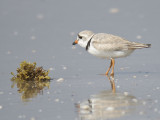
pixel 109 42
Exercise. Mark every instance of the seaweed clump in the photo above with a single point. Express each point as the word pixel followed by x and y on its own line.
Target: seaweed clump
pixel 29 72
pixel 30 80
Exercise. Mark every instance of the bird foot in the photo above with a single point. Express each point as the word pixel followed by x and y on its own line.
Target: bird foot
pixel 112 74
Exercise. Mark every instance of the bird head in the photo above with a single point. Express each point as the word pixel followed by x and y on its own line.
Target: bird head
pixel 83 37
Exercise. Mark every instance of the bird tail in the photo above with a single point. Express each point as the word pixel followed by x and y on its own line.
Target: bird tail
pixel 139 45
pixel 148 45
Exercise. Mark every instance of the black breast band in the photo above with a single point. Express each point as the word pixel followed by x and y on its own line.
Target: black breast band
pixel 88 44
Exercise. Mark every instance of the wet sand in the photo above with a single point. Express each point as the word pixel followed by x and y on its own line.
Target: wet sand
pixel 43 32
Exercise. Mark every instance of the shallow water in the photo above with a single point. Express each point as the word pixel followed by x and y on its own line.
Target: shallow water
pixel 43 32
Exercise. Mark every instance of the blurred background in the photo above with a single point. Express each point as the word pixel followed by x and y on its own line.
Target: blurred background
pixel 42 31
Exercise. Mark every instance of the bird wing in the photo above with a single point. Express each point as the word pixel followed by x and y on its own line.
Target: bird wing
pixel 109 42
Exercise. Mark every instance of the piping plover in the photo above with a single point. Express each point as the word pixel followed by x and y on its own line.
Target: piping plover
pixel 108 46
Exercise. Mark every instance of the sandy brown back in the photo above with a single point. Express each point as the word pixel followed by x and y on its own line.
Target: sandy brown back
pixel 109 42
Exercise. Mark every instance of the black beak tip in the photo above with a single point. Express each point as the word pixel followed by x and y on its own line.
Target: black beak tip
pixel 73 43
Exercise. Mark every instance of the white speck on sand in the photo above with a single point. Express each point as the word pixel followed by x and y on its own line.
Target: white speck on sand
pixel 56 100
pixel 33 51
pixel 135 100
pixel 113 10
pixel 33 37
pixel 22 116
pixel 155 109
pixel 141 112
pixel 134 76
pixel 121 68
pixel 145 75
pixel 118 86
pixel 40 16
pixel 8 52
pixel 51 69
pixel 60 80
pixel 40 110
pixel 64 67
pixel 126 93
pixel 15 33
pixel 110 108
pixel 33 118
pixel 156 101
pixel 148 95
pixel 48 92
pixel 123 112
pixel 1 92
pixel 1 107
pixel 144 103
pixel 90 83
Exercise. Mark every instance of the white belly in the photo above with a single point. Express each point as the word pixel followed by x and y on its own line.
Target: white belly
pixel 109 54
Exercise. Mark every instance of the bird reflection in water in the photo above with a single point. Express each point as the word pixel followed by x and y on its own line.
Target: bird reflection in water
pixel 107 104
pixel 30 89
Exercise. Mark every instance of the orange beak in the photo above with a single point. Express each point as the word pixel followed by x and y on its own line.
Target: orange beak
pixel 75 42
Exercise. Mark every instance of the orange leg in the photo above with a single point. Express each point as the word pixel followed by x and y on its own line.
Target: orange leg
pixel 113 63
pixel 109 68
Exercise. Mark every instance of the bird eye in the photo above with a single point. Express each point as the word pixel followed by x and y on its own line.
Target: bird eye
pixel 80 37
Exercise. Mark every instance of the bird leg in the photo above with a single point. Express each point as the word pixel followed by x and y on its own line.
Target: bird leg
pixel 111 65
pixel 109 68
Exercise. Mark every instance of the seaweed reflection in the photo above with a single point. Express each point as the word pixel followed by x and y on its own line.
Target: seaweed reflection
pixel 107 104
pixel 30 89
